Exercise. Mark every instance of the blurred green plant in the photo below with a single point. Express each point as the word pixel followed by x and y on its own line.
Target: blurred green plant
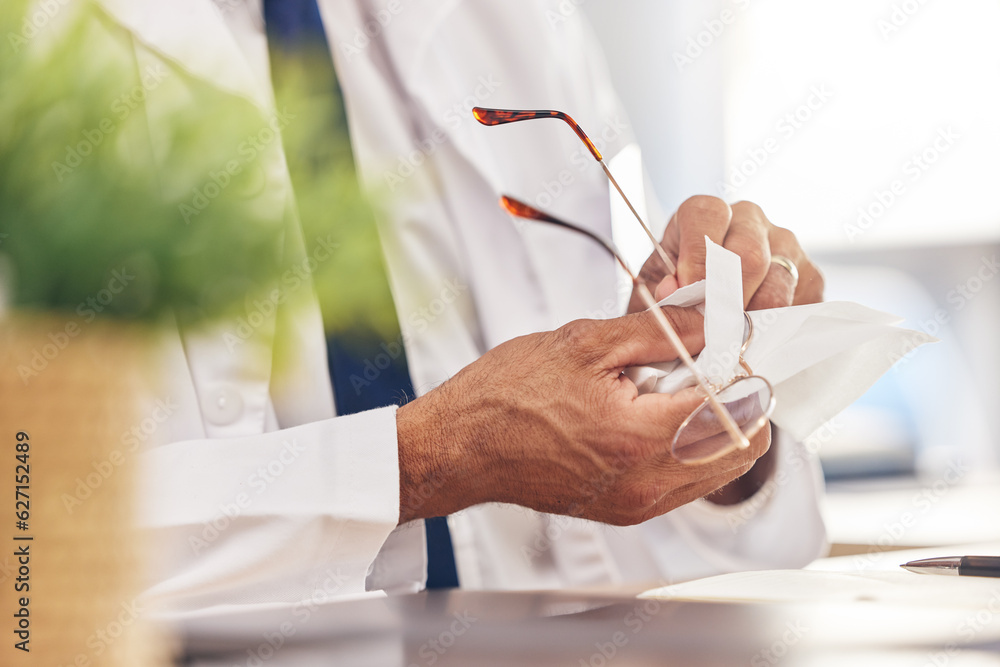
pixel 85 204
pixel 352 285
pixel 96 185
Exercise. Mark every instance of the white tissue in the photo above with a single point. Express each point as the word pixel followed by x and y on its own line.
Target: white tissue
pixel 819 358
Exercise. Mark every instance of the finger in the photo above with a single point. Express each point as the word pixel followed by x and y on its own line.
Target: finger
pixel 654 275
pixel 639 339
pixel 672 495
pixel 666 287
pixel 661 415
pixel 780 287
pixel 658 416
pixel 776 291
pixel 748 238
pixel 696 218
pixel 811 284
pixel 695 491
pixel 710 477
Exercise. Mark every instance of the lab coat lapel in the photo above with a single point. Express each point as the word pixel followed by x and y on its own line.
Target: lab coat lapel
pixel 192 34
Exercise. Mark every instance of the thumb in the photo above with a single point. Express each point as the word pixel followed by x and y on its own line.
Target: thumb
pixel 666 287
pixel 639 339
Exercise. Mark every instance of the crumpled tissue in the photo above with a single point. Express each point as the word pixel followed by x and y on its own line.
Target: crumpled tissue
pixel 819 358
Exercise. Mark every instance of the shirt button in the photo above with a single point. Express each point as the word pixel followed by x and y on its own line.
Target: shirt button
pixel 222 406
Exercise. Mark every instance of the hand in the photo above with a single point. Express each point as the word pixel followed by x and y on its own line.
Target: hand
pixel 548 422
pixel 745 230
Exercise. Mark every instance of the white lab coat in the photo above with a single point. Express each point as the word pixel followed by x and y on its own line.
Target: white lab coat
pixel 256 493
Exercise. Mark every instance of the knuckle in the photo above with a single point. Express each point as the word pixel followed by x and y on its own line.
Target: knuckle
pixel 579 334
pixel 683 320
pixel 689 325
pixel 749 209
pixel 756 260
pixel 784 238
pixel 637 498
pixel 708 204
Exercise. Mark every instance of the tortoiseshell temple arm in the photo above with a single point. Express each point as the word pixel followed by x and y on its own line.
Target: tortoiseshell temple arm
pixel 520 209
pixel 503 116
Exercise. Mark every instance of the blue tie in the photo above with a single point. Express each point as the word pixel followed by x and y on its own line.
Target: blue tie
pixel 367 370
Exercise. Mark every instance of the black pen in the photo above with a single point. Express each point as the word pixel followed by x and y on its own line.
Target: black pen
pixel 963 566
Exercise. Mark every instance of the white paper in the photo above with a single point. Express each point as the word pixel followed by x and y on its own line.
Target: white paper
pixel 897 587
pixel 819 358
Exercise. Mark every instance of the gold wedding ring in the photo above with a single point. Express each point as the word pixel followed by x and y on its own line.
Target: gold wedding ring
pixel 787 265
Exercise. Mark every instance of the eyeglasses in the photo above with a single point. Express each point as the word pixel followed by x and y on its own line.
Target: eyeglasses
pixel 728 414
pixel 493 117
pixel 724 416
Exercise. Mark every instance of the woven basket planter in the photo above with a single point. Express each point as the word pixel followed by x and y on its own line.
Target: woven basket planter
pixel 73 392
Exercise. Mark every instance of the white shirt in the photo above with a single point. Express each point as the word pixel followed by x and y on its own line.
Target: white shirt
pixel 260 495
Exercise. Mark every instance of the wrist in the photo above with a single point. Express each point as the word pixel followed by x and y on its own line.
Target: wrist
pixel 443 467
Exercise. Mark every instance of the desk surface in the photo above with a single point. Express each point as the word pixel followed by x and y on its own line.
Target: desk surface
pixel 477 628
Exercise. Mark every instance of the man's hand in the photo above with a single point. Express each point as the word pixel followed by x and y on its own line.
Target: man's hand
pixel 745 230
pixel 548 422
